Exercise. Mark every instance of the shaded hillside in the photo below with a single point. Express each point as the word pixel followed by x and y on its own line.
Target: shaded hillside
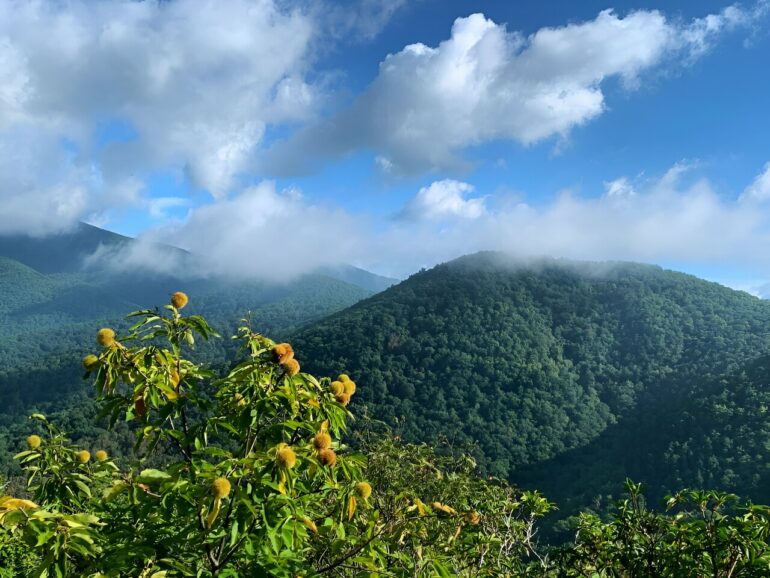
pixel 30 300
pixel 358 277
pixel 713 433
pixel 532 361
pixel 48 323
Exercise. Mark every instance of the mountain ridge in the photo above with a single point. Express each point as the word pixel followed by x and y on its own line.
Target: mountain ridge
pixel 73 252
pixel 525 362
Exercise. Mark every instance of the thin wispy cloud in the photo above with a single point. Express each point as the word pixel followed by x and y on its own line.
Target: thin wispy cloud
pixel 759 190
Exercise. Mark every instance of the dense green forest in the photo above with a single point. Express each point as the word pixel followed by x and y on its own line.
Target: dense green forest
pixel 50 302
pixel 712 434
pixel 546 372
pixel 565 376
pixel 247 471
pixel 51 314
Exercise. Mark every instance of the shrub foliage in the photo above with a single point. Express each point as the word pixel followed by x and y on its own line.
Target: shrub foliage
pixel 245 474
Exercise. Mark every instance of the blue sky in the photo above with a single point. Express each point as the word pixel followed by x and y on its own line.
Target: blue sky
pixel 714 111
pixel 562 128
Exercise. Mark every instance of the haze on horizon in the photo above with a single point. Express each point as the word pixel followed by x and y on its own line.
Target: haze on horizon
pixel 393 135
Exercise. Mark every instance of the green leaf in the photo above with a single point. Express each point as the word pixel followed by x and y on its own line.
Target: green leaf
pixel 83 487
pixel 441 569
pixel 151 476
pixel 234 533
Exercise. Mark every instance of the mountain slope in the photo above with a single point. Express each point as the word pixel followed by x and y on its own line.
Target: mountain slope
pixel 51 280
pixel 532 361
pixel 50 307
pixel 61 253
pixel 69 252
pixel 358 277
pixel 45 318
pixel 713 433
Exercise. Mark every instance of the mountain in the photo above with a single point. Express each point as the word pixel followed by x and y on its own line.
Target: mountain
pixel 69 252
pixel 60 253
pixel 358 277
pixel 562 376
pixel 547 364
pixel 712 433
pixel 51 305
pixel 48 283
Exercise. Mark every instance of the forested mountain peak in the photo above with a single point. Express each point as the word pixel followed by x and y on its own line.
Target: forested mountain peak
pixel 529 360
pixel 498 262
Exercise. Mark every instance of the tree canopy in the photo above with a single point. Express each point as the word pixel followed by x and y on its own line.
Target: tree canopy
pixel 556 369
pixel 247 472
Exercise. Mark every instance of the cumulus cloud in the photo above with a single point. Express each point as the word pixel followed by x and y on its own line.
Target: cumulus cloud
pixel 442 199
pixel 485 82
pixel 198 81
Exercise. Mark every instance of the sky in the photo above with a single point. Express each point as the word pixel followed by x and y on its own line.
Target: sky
pixel 271 137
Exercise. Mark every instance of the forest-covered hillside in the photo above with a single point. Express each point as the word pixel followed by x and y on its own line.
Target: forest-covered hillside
pixel 638 366
pixel 50 299
pixel 50 303
pixel 251 474
pixel 47 324
pixel 713 433
pixel 550 370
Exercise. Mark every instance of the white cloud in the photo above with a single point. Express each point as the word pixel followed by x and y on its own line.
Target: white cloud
pixel 277 235
pixel 263 232
pixel 442 199
pixel 41 188
pixel 759 190
pixel 201 81
pixel 701 34
pixel 198 80
pixel 663 221
pixel 484 83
